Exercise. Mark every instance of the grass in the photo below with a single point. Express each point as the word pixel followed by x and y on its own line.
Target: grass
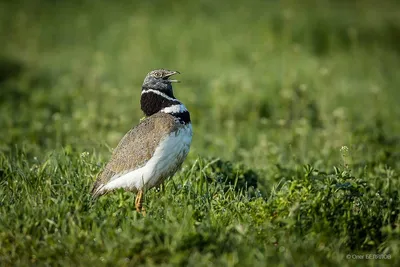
pixel 295 156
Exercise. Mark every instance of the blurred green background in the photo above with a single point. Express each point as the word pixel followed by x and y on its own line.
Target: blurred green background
pixel 273 85
pixel 258 77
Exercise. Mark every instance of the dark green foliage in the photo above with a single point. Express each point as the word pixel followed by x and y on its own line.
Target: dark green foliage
pixel 51 217
pixel 233 175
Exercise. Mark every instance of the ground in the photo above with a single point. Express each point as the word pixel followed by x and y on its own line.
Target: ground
pixel 295 157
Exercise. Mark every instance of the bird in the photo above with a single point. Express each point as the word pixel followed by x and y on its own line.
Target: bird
pixel 153 150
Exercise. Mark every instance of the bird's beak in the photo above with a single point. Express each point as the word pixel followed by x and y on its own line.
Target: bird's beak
pixel 169 74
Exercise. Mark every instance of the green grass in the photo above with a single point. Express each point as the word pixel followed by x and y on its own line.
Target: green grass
pixel 295 157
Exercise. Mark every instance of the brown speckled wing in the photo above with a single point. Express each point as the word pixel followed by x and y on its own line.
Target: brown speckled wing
pixel 137 146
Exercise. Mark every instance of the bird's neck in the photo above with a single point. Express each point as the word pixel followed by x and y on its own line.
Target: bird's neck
pixel 153 101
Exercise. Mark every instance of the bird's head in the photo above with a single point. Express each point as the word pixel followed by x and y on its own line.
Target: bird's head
pixel 157 91
pixel 160 80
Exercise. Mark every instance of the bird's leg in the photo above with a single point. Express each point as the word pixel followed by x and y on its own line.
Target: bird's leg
pixel 139 201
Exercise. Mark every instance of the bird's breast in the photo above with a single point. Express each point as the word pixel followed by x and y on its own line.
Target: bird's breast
pixel 170 155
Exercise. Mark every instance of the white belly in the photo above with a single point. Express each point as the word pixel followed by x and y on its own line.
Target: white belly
pixel 168 156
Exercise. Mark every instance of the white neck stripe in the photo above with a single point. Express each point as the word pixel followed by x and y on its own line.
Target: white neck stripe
pixel 159 93
pixel 174 109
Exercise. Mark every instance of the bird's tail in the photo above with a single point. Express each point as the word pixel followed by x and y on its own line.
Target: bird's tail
pixel 97 190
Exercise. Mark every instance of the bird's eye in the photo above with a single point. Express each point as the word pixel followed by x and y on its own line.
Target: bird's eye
pixel 158 75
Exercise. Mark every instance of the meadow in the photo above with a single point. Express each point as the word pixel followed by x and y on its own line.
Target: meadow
pixel 295 159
